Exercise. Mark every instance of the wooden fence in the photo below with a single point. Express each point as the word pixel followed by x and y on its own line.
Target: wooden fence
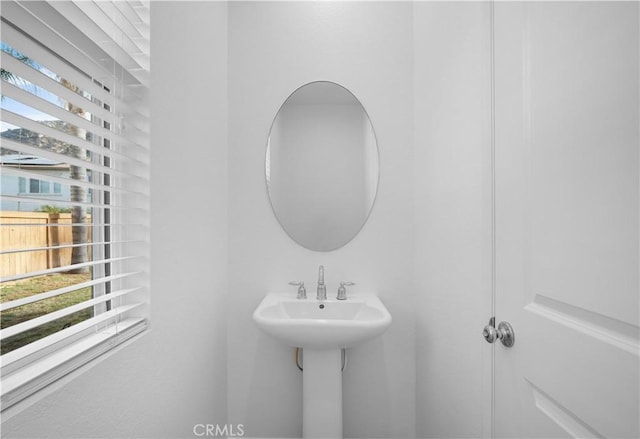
pixel 41 229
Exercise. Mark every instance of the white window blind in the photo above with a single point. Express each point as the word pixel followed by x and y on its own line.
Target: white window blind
pixel 74 275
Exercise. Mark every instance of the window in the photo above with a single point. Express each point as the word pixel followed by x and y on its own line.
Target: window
pixel 38 186
pixel 74 204
pixel 34 186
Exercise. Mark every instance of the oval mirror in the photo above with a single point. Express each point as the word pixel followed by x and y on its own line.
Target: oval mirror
pixel 322 166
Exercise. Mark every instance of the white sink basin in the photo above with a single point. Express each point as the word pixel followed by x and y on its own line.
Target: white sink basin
pixel 309 323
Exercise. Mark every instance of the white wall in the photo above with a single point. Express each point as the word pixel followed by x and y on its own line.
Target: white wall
pixel 452 201
pixel 273 49
pixel 175 376
pixel 431 268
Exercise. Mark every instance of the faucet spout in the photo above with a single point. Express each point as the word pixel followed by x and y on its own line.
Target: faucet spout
pixel 322 289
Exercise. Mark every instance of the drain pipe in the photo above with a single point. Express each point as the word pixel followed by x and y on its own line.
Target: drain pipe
pixel 299 356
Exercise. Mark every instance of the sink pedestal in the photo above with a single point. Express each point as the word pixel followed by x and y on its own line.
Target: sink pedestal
pixel 321 328
pixel 322 393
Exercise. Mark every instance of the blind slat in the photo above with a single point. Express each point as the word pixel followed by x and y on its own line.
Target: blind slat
pixel 85 15
pixel 142 9
pixel 25 16
pixel 63 268
pixel 58 247
pixel 13 360
pixel 56 202
pixel 123 18
pixel 16 93
pixel 67 224
pixel 29 48
pixel 13 378
pixel 33 323
pixel 53 293
pixel 43 81
pixel 110 21
pixel 135 19
pixel 19 172
pixel 40 128
pixel 33 150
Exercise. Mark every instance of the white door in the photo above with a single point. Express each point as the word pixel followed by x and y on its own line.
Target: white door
pixel 566 211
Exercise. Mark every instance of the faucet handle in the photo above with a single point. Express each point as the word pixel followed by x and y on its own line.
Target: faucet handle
pixel 342 291
pixel 302 292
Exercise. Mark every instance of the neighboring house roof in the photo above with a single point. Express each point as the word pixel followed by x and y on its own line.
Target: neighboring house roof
pixel 30 160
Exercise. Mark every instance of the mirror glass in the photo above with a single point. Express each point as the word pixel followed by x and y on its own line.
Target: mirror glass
pixel 322 166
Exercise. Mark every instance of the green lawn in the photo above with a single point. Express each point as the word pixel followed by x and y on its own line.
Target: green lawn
pixel 25 288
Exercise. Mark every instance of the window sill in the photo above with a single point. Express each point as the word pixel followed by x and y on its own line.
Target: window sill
pixel 37 375
pixel 40 194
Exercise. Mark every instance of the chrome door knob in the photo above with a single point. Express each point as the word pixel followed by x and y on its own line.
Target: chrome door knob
pixel 490 334
pixel 504 333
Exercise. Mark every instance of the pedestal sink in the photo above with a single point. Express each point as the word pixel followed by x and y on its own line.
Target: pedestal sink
pixel 322 328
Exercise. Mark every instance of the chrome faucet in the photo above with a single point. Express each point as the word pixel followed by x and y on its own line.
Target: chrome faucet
pixel 342 291
pixel 302 292
pixel 322 289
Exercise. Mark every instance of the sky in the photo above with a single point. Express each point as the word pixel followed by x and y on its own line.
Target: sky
pixel 16 107
pixel 23 110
